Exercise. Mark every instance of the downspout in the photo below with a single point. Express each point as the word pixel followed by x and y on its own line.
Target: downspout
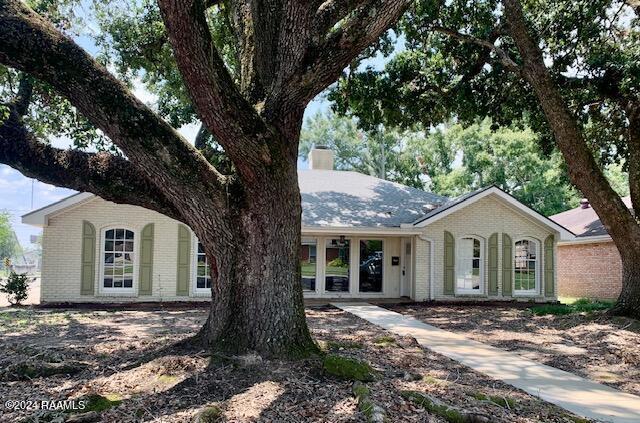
pixel 432 250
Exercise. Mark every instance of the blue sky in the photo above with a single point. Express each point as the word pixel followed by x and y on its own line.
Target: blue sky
pixel 19 194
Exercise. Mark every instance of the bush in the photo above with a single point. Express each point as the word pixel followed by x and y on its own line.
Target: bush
pixel 337 262
pixel 583 305
pixel 16 287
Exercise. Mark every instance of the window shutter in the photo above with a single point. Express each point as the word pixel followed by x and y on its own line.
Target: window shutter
pixel 184 261
pixel 507 266
pixel 449 263
pixel 146 260
pixel 493 264
pixel 88 264
pixel 549 264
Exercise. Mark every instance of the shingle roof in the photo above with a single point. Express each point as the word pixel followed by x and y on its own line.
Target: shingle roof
pixel 584 222
pixel 352 199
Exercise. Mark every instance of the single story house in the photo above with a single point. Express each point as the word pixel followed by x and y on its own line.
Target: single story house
pixel 363 237
pixel 589 265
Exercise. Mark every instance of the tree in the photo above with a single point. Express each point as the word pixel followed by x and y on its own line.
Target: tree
pixel 569 69
pixel 9 245
pixel 380 152
pixel 284 53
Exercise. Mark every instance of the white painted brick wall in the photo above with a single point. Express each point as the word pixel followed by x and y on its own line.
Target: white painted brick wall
pixel 483 218
pixel 62 243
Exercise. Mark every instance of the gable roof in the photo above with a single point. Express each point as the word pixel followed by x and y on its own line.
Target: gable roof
pixel 466 200
pixel 40 217
pixel 585 223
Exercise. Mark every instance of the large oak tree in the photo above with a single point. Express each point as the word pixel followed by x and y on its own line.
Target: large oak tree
pixel 247 215
pixel 569 68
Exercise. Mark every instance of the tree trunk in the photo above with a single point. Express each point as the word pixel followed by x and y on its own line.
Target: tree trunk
pixel 628 303
pixel 584 172
pixel 257 303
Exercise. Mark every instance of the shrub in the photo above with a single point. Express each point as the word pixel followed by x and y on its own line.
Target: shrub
pixel 337 262
pixel 16 287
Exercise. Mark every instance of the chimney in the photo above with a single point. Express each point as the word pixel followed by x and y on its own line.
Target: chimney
pixel 321 158
pixel 584 203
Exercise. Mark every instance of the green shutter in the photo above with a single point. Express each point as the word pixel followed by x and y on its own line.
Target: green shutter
pixel 493 264
pixel 507 266
pixel 184 261
pixel 146 261
pixel 549 264
pixel 88 264
pixel 449 263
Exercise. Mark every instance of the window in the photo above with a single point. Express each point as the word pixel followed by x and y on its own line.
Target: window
pixel 118 258
pixel 203 271
pixel 371 260
pixel 337 265
pixel 469 271
pixel 308 264
pixel 526 266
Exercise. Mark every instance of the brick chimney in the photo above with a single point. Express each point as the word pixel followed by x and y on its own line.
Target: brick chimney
pixel 321 158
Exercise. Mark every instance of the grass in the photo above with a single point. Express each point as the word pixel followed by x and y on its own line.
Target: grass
pixel 504 402
pixel 582 305
pixel 342 345
pixel 385 341
pixel 100 403
pixel 348 368
pixel 449 414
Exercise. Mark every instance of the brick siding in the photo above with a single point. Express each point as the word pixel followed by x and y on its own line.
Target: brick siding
pixel 589 270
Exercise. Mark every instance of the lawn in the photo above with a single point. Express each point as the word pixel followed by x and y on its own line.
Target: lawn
pixel 577 337
pixel 126 363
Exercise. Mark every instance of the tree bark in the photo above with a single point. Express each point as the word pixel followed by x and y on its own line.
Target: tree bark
pixel 257 298
pixel 583 169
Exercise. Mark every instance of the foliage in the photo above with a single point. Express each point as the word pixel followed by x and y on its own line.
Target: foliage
pixel 582 305
pixel 348 368
pixel 337 262
pixel 9 245
pixel 451 160
pixel 592 49
pixel 433 406
pixel 16 288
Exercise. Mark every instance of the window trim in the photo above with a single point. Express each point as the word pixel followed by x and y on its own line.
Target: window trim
pixel 462 291
pixel 529 292
pixel 338 294
pixel 317 276
pixel 134 284
pixel 384 266
pixel 194 269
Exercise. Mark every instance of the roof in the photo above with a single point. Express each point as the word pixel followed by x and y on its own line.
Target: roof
pixel 345 199
pixel 470 198
pixel 351 199
pixel 584 222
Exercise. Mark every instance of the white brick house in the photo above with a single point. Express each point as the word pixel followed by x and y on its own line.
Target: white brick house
pixel 363 237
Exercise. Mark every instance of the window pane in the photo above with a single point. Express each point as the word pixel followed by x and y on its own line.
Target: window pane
pixel 525 261
pixel 202 284
pixel 119 233
pixel 308 264
pixel 468 262
pixel 129 235
pixel 371 265
pixel 337 265
pixel 108 282
pixel 128 283
pixel 118 258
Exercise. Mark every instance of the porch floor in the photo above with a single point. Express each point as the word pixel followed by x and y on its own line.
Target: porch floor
pixel 319 302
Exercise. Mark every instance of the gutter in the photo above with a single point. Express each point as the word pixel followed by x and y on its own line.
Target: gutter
pixel 586 240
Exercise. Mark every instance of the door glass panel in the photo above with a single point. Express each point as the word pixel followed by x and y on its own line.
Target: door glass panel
pixel 371 260
pixel 308 254
pixel 337 265
pixel 468 265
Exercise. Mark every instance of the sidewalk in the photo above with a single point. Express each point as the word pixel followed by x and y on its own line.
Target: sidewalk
pixel 571 392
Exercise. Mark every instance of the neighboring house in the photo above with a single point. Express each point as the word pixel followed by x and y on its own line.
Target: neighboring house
pixel 589 265
pixel 363 237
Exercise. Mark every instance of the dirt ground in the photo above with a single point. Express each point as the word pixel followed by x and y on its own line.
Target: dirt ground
pixel 130 356
pixel 595 346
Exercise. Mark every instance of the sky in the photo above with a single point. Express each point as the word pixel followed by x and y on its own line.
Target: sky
pixel 20 195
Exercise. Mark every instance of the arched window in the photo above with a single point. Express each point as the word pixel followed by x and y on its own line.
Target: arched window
pixel 526 274
pixel 118 260
pixel 203 271
pixel 469 266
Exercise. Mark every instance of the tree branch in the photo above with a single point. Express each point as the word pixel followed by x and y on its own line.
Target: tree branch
pixel 31 44
pixel 111 177
pixel 583 169
pixel 330 12
pixel 502 56
pixel 326 60
pixel 228 116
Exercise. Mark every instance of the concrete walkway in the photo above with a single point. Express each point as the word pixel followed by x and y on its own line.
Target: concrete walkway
pixel 571 392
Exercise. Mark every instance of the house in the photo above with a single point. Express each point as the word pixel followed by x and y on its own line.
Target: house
pixel 363 237
pixel 588 266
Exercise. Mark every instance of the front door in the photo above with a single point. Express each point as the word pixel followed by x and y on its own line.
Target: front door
pixel 406 268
